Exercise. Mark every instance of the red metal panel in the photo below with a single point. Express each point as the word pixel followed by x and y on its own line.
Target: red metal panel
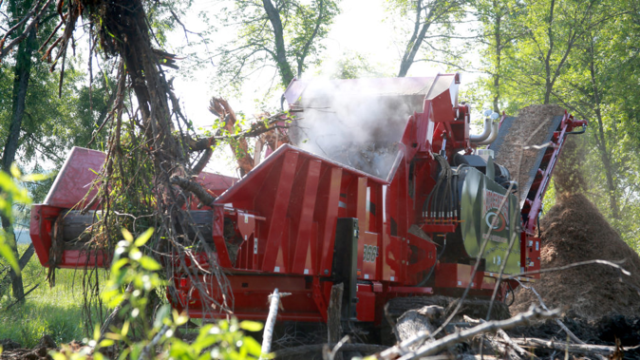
pixel 402 205
pixel 326 214
pixel 279 182
pixel 75 178
pixel 410 290
pixel 424 131
pixel 72 259
pixel 367 264
pixel 366 306
pixel 304 214
pixel 216 183
pixel 42 217
pixel 357 208
pixel 250 297
pixel 459 276
pixel 218 236
pixel 425 253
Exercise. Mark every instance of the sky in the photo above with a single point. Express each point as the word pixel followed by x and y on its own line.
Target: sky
pixel 362 27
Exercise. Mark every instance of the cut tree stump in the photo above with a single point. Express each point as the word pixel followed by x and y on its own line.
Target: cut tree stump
pixel 416 321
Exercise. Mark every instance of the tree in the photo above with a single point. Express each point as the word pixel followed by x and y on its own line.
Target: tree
pixel 22 73
pixel 286 34
pixel 499 28
pixel 37 112
pixel 427 15
pixel 581 55
pixel 22 29
pixel 552 29
pixel 604 67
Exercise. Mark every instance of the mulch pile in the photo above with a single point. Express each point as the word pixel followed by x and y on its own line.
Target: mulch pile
pixel 572 231
pixel 529 128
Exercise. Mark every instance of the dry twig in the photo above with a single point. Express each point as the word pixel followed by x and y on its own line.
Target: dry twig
pixel 442 344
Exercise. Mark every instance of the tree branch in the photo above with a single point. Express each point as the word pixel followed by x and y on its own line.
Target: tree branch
pixel 437 346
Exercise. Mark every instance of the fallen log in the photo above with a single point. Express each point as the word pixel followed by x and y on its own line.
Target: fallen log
pixel 417 321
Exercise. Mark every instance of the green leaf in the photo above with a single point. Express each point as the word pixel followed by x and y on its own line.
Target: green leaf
pixel 142 239
pixel 37 177
pixel 252 326
pixel 163 313
pixel 96 333
pixel 118 265
pixel 58 356
pixel 179 318
pixel 106 342
pixel 127 235
pixel 15 171
pixel 7 253
pixel 253 347
pixel 149 263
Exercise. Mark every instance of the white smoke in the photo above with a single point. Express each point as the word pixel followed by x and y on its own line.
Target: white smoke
pixel 352 124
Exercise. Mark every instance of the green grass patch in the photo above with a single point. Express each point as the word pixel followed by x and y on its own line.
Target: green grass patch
pixel 53 311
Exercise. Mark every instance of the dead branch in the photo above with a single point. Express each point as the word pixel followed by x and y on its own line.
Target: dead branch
pixel 334 326
pixel 202 162
pixel 4 50
pixel 505 338
pixel 274 300
pixel 221 108
pixel 431 348
pixel 522 352
pixel 250 133
pixel 576 264
pixel 585 349
pixel 560 323
pixel 194 188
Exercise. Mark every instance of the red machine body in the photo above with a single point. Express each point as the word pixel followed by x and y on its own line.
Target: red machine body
pixel 291 211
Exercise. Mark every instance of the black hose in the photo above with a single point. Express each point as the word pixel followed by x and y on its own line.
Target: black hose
pixel 426 278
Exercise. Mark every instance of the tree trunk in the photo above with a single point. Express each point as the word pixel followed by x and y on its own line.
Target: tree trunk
pixel 20 86
pixel 602 143
pixel 496 76
pixel 416 38
pixel 280 55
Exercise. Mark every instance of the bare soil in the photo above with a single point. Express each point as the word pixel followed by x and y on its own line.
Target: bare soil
pixel 529 128
pixel 573 231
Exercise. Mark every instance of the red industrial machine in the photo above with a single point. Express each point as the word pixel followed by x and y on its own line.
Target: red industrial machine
pixel 302 222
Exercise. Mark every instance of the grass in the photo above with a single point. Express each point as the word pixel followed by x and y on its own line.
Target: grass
pixel 53 311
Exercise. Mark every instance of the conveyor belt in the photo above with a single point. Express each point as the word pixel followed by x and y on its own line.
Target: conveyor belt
pixel 506 127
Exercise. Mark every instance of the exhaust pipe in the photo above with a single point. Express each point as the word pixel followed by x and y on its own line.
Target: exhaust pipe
pixel 495 127
pixel 485 133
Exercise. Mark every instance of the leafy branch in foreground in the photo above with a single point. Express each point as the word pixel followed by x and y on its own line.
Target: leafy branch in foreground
pixel 132 279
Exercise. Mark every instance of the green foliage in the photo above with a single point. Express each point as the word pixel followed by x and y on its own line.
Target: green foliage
pixel 133 270
pixel 11 193
pixel 581 55
pixel 46 311
pixel 304 25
